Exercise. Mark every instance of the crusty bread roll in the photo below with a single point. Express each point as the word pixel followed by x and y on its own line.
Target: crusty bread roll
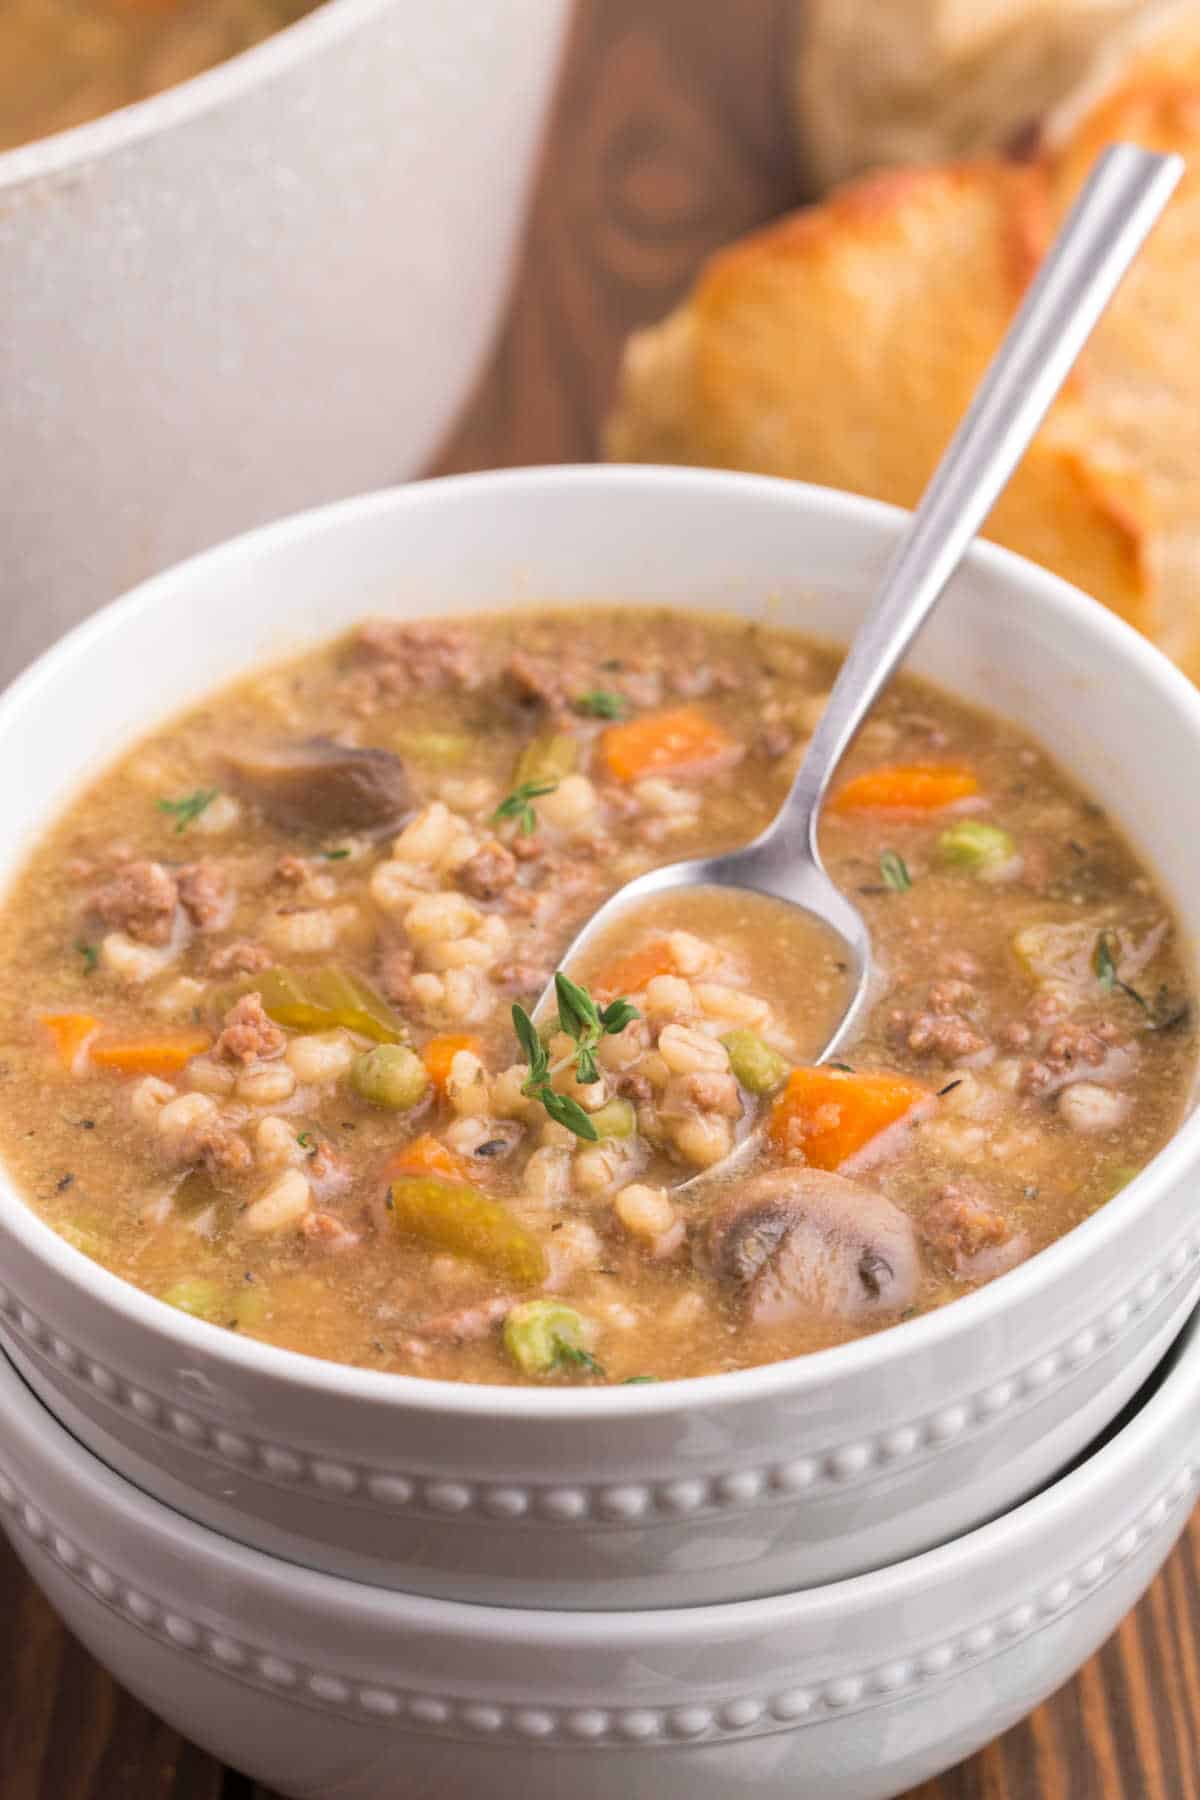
pixel 841 345
pixel 906 81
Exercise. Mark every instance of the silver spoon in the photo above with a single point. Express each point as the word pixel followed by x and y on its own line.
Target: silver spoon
pixel 1123 197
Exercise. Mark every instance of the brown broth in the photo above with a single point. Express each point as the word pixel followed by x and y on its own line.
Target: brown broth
pixel 996 1026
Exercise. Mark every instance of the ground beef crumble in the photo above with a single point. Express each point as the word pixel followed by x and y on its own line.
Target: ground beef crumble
pixel 943 1028
pixel 536 681
pixel 486 874
pixel 960 1224
pixel 248 1035
pixel 396 965
pixel 241 958
pixel 398 659
pixel 140 900
pixel 1070 1047
pixel 204 894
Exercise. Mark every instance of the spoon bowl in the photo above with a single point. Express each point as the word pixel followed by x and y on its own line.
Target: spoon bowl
pixel 1106 228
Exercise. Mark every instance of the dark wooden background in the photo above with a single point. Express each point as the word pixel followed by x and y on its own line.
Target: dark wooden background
pixel 670 135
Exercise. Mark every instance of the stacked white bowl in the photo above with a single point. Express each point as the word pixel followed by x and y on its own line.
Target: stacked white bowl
pixel 367 1585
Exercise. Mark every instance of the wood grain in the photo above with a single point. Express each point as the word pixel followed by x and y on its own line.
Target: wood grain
pixel 670 136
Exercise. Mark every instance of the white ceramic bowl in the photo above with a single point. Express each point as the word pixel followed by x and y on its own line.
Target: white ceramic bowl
pixel 269 286
pixel 337 1691
pixel 715 1489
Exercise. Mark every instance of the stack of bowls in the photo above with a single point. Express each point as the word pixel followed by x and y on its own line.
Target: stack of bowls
pixel 828 1570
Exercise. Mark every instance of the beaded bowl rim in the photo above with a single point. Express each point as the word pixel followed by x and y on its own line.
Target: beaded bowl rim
pixel 870 525
pixel 65 1465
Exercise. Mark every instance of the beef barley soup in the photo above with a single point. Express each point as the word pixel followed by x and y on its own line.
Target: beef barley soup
pixel 65 61
pixel 268 1050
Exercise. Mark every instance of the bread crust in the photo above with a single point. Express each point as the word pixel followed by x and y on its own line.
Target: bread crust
pixel 841 346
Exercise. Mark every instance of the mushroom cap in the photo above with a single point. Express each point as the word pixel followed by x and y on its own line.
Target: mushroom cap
pixel 803 1240
pixel 323 786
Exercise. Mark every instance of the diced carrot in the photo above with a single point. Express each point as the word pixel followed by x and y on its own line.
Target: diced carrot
pixel 440 1052
pixel 69 1033
pixel 664 742
pixel 828 1114
pixel 163 1054
pixel 631 973
pixel 425 1155
pixel 906 787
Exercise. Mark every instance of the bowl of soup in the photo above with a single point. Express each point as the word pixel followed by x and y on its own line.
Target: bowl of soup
pixel 317 1227
pixel 254 253
pixel 853 1691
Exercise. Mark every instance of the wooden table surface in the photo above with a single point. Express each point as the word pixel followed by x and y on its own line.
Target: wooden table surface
pixel 671 134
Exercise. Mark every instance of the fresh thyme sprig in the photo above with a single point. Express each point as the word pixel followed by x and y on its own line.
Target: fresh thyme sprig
pixel 1160 1015
pixel 585 1024
pixel 519 805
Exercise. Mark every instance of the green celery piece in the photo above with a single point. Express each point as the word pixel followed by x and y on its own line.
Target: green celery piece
pixel 319 999
pixel 547 758
pixel 451 1215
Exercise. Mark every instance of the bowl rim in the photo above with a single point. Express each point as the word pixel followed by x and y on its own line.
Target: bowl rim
pixel 794 1376
pixel 94 140
pixel 1009 1535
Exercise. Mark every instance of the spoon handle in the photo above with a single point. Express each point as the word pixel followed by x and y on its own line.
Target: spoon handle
pixel 1123 197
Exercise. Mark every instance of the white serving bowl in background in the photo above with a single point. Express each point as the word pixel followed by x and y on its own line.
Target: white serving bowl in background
pixel 333 1690
pixel 716 1489
pixel 269 286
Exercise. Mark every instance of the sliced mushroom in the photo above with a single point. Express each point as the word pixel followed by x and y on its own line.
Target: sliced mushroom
pixel 321 786
pixel 804 1241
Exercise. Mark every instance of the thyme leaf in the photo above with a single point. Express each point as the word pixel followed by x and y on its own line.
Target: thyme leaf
pixel 571 1356
pixel 601 703
pixel 519 805
pixel 189 806
pixel 894 870
pixel 585 1024
pixel 1159 1014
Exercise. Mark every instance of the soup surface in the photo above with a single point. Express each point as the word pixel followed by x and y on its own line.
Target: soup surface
pixel 65 61
pixel 268 988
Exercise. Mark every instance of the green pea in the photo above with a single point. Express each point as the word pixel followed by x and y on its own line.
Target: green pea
pixel 390 1076
pixel 615 1119
pixel 203 1298
pixel 756 1065
pixel 544 1337
pixel 976 847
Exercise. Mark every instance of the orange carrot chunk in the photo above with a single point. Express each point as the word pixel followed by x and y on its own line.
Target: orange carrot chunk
pixel 69 1032
pixel 163 1054
pixel 440 1052
pixel 630 973
pixel 906 787
pixel 425 1155
pixel 828 1114
pixel 664 743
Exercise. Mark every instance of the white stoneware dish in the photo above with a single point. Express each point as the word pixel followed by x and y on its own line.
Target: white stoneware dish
pixel 269 286
pixel 333 1690
pixel 716 1489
